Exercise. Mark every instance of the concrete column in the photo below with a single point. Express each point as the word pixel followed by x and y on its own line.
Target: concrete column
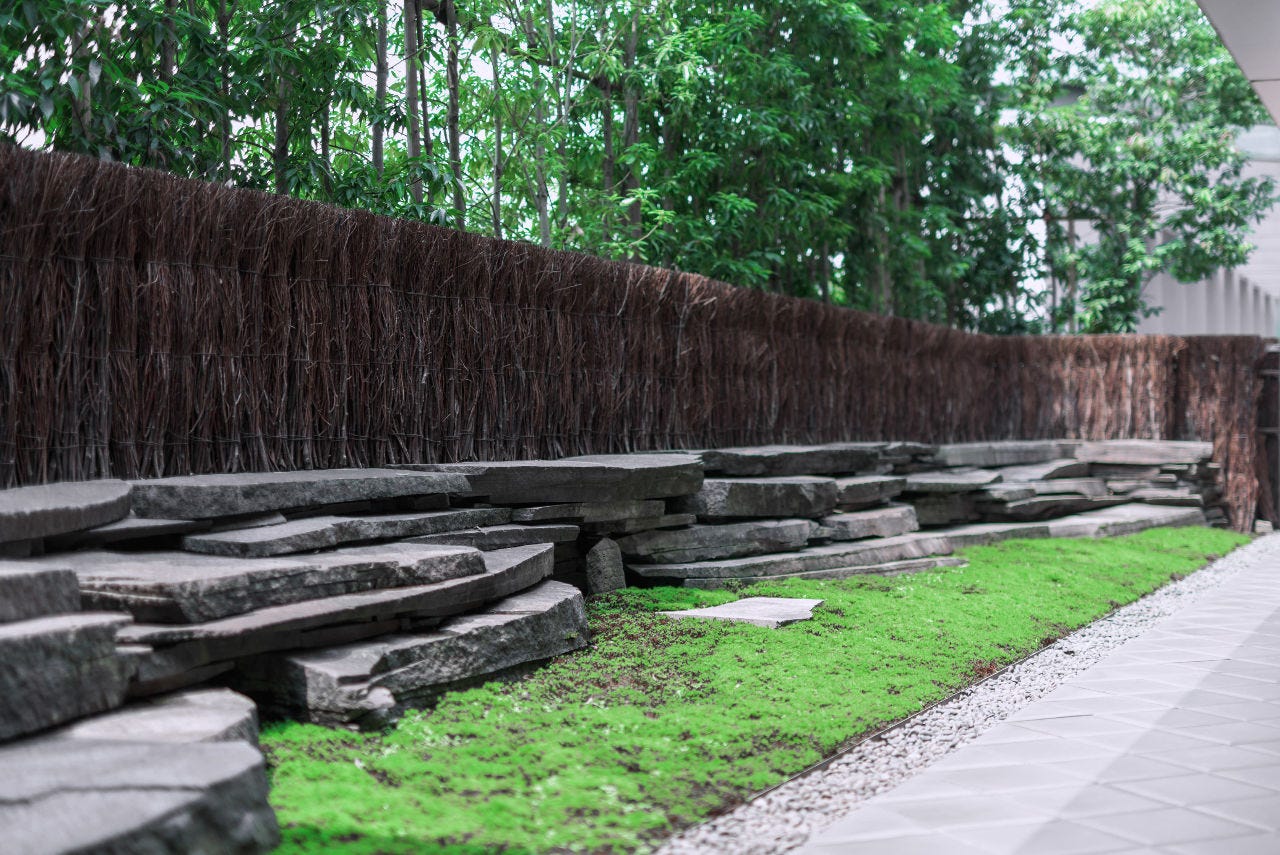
pixel 1213 297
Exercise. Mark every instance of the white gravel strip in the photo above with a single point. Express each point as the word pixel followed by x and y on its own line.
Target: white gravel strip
pixel 784 818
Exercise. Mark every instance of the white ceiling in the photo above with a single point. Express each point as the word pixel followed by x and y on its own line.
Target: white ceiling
pixel 1251 31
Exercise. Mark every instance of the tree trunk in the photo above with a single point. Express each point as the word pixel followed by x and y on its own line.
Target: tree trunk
pixel 496 204
pixel 541 197
pixel 607 166
pixel 280 152
pixel 455 141
pixel 411 58
pixel 631 133
pixel 380 90
pixel 224 119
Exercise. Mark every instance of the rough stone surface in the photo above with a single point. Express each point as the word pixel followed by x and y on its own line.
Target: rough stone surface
pixel 28 513
pixel 127 530
pixel 371 683
pixel 1008 453
pixel 204 496
pixel 604 568
pixel 591 478
pixel 590 512
pixel 770 612
pixel 489 538
pixel 55 669
pixel 632 525
pixel 1058 468
pixel 960 481
pixel 706 542
pixel 181 650
pixel 889 568
pixel 1092 487
pixel 1123 519
pixel 197 715
pixel 30 589
pixel 1179 498
pixel 1143 452
pixel 1046 507
pixel 878 522
pixel 867 490
pixel 178 587
pixel 774 460
pixel 323 532
pixel 856 554
pixel 934 509
pixel 727 499
pixel 132 798
pixel 983 534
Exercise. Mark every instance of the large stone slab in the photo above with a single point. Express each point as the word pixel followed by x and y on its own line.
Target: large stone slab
pixel 178 587
pixel 890 568
pixel 28 513
pixel 774 460
pixel 1143 452
pixel 590 478
pixel 1124 519
pixel 1047 507
pixel 128 530
pixel 489 538
pixel 323 532
pixel 933 509
pixel 836 555
pixel 735 498
pixel 82 795
pixel 706 542
pixel 205 496
pixel 1005 453
pixel 878 522
pixel 770 612
pixel 867 491
pixel 1180 498
pixel 1091 487
pixel 179 650
pixel 1062 467
pixel 370 683
pixel 30 589
pixel 958 481
pixel 55 669
pixel 984 534
pixel 197 715
pixel 604 568
pixel 590 512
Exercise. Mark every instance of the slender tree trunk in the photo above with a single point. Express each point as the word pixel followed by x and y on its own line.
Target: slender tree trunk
pixel 169 43
pixel 411 59
pixel 541 197
pixel 498 106
pixel 424 35
pixel 326 162
pixel 455 141
pixel 607 164
pixel 380 90
pixel 631 132
pixel 224 88
pixel 280 152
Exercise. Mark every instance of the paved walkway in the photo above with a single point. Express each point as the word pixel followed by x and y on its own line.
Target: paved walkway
pixel 1171 745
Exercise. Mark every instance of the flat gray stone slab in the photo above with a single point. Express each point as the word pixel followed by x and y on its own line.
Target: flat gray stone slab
pixel 324 532
pixel 877 522
pixel 774 460
pixel 196 715
pixel 1091 487
pixel 205 496
pixel 960 481
pixel 30 589
pixel 180 651
pixel 865 491
pixel 28 513
pixel 590 512
pixel 934 509
pixel 55 669
pixel 590 478
pixel 126 530
pixel 857 553
pixel 82 795
pixel 722 499
pixel 1005 453
pixel 889 568
pixel 771 612
pixel 179 587
pixel 1144 452
pixel 632 525
pixel 604 568
pixel 1124 519
pixel 984 534
pixel 504 536
pixel 706 542
pixel 369 684
pixel 1180 498
pixel 1047 507
pixel 1062 467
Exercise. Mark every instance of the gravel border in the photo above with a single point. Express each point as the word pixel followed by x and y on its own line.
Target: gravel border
pixel 784 818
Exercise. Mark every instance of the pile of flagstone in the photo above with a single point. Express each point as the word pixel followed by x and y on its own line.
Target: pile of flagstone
pixel 133 615
pixel 832 511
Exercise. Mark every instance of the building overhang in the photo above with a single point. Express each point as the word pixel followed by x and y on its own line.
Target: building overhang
pixel 1251 31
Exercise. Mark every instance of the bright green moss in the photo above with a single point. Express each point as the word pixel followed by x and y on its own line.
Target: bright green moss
pixel 662 723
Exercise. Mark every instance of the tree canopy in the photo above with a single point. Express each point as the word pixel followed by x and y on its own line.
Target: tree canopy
pixel 901 157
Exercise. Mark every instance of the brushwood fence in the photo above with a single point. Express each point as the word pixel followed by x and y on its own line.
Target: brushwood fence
pixel 151 325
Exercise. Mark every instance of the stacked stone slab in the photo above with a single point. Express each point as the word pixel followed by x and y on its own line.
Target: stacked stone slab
pixel 82 771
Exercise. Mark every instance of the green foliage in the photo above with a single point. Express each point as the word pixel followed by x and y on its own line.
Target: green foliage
pixel 662 723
